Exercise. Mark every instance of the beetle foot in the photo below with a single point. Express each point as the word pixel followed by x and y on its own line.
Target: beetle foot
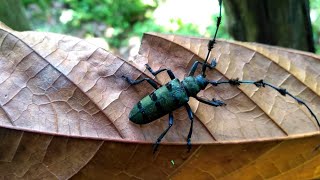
pixel 213 63
pixel 148 67
pixel 189 144
pixel 126 78
pixel 218 102
pixel 155 146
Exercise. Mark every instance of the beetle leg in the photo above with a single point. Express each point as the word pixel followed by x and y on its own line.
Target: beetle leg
pixel 195 65
pixel 170 73
pixel 214 102
pixel 190 114
pixel 261 83
pixel 156 144
pixel 134 82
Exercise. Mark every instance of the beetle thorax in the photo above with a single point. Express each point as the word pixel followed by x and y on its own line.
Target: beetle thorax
pixel 194 85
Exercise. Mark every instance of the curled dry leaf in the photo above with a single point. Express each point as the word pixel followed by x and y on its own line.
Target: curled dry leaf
pixel 64 111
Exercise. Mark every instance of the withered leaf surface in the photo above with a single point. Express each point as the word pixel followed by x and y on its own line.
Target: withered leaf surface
pixel 64 111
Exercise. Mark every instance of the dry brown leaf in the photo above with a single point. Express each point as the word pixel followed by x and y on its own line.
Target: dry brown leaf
pixel 64 111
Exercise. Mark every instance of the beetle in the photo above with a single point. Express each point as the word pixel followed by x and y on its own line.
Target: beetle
pixel 175 94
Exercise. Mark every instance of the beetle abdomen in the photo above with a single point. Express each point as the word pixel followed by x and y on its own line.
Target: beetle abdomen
pixel 159 103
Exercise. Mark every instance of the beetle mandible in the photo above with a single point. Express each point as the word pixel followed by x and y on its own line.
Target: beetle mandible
pixel 175 94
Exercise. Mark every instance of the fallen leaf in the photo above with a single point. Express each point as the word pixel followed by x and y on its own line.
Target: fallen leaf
pixel 64 111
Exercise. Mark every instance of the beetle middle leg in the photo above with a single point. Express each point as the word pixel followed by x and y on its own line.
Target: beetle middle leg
pixel 190 114
pixel 214 102
pixel 170 73
pixel 156 144
pixel 134 82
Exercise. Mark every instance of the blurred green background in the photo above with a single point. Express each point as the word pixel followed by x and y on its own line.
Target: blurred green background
pixel 122 23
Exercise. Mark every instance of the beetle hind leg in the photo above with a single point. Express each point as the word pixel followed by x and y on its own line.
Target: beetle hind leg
pixel 156 144
pixel 190 114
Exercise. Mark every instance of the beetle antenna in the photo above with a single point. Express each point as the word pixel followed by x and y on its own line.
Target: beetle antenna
pixel 213 41
pixel 262 83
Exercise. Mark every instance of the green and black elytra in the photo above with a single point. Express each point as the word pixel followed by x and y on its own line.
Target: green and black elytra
pixel 175 94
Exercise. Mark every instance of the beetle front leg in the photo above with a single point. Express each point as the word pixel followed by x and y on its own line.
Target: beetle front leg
pixel 190 114
pixel 156 144
pixel 195 65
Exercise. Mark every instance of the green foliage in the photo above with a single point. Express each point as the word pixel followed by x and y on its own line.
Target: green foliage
pixel 89 17
pixel 315 20
pixel 121 14
pixel 17 20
